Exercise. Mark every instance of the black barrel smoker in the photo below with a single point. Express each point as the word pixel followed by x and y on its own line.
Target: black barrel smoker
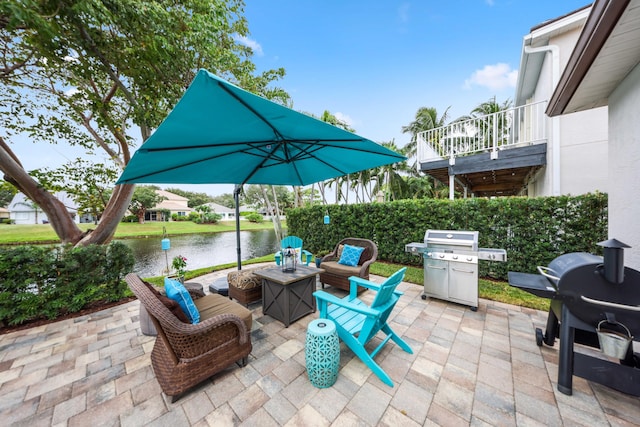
pixel 595 301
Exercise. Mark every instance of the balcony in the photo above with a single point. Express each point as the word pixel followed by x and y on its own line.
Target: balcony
pixel 492 155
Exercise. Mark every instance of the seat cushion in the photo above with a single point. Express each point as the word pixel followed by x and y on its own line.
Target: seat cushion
pixel 244 279
pixel 334 267
pixel 214 304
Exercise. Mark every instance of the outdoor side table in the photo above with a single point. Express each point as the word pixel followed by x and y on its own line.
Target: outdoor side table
pixel 322 353
pixel 288 296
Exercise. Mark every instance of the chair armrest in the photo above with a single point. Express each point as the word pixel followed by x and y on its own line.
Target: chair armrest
pixel 325 298
pixel 307 255
pixel 359 281
pixel 189 341
pixel 355 281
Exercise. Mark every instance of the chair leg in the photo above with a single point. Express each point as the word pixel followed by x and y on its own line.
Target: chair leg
pixel 362 354
pixel 396 338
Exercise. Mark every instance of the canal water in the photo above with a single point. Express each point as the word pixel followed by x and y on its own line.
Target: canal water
pixel 200 250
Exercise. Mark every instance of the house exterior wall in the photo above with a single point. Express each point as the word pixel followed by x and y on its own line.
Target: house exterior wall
pixel 22 210
pixel 584 152
pixel 624 161
pixel 581 138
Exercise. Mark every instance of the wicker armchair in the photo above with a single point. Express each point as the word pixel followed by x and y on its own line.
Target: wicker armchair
pixel 337 275
pixel 184 355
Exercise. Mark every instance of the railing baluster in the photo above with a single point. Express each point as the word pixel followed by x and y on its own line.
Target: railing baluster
pixel 523 125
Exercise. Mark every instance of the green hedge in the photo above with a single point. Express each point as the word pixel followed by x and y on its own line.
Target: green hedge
pixel 45 282
pixel 532 230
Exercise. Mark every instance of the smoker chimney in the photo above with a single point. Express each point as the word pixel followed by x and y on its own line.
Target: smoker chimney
pixel 613 260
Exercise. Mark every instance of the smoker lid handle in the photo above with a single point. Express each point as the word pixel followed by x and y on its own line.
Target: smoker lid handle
pixel 611 304
pixel 545 272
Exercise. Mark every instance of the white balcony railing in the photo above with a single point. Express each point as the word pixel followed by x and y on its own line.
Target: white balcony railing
pixel 516 127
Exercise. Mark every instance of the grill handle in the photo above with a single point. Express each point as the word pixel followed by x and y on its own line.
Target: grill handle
pixel 545 272
pixel 611 304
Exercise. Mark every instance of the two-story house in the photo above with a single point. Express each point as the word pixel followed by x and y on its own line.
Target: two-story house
pixel 522 151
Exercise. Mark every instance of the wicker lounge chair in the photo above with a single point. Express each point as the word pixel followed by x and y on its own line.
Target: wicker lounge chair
pixel 184 355
pixel 337 275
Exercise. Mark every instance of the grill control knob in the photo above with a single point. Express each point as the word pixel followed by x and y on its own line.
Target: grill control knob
pixel 455 257
pixel 469 259
pixel 441 255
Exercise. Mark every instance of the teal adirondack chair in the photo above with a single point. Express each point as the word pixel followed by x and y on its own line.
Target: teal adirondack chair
pixel 294 242
pixel 357 323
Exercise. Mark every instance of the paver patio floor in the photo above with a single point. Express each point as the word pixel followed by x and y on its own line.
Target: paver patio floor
pixel 468 368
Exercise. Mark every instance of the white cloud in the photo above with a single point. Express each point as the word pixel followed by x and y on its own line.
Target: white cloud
pixel 254 45
pixel 344 118
pixel 71 92
pixel 496 77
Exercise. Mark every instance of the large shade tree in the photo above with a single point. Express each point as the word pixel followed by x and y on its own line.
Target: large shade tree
pixel 101 75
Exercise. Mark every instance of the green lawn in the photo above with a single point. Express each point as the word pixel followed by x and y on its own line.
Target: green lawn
pixel 43 233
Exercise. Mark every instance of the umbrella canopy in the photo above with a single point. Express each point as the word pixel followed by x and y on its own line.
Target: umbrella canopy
pixel 220 133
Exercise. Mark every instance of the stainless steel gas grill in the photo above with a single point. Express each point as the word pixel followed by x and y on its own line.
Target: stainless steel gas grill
pixel 451 264
pixel 595 302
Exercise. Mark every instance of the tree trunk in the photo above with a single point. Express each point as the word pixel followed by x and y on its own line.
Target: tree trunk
pixel 59 218
pixel 111 217
pixel 275 217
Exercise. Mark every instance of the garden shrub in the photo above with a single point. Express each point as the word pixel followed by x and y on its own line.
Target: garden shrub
pixel 533 231
pixel 46 282
pixel 254 217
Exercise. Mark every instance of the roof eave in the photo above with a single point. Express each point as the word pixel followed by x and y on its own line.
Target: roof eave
pixel 603 18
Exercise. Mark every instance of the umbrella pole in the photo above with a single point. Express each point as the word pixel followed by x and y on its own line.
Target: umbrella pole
pixel 236 199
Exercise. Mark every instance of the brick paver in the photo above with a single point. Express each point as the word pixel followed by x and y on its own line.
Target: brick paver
pixel 467 368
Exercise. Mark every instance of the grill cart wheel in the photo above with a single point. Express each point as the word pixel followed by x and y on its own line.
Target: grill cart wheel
pixel 424 297
pixel 539 337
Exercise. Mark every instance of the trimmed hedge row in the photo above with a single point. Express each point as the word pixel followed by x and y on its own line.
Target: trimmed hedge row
pixel 46 282
pixel 532 230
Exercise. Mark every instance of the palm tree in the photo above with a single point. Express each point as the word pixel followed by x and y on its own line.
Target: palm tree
pixel 491 122
pixel 390 180
pixel 426 119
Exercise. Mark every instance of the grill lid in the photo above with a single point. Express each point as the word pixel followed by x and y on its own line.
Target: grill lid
pixel 452 239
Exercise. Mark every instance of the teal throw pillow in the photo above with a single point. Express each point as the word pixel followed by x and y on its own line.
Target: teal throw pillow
pixel 350 255
pixel 177 292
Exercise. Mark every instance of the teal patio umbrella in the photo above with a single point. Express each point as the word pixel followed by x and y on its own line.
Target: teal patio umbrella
pixel 219 133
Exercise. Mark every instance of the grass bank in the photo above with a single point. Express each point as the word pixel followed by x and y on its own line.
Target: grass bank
pixel 12 234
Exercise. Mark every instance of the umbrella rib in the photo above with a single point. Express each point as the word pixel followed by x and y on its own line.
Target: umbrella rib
pixel 253 110
pixel 278 135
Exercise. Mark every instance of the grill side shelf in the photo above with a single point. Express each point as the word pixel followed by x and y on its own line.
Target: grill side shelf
pixel 533 283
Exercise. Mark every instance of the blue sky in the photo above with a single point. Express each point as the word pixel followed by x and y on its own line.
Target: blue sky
pixel 375 63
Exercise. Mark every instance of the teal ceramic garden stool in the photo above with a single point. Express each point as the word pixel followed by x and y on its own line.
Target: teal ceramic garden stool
pixel 322 353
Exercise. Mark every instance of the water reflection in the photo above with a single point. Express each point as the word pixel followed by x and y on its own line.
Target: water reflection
pixel 201 250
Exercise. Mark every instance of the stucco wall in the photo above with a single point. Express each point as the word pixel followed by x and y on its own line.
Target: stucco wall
pixel 584 164
pixel 581 137
pixel 624 166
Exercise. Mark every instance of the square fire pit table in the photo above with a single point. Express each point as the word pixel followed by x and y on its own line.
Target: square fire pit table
pixel 288 296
